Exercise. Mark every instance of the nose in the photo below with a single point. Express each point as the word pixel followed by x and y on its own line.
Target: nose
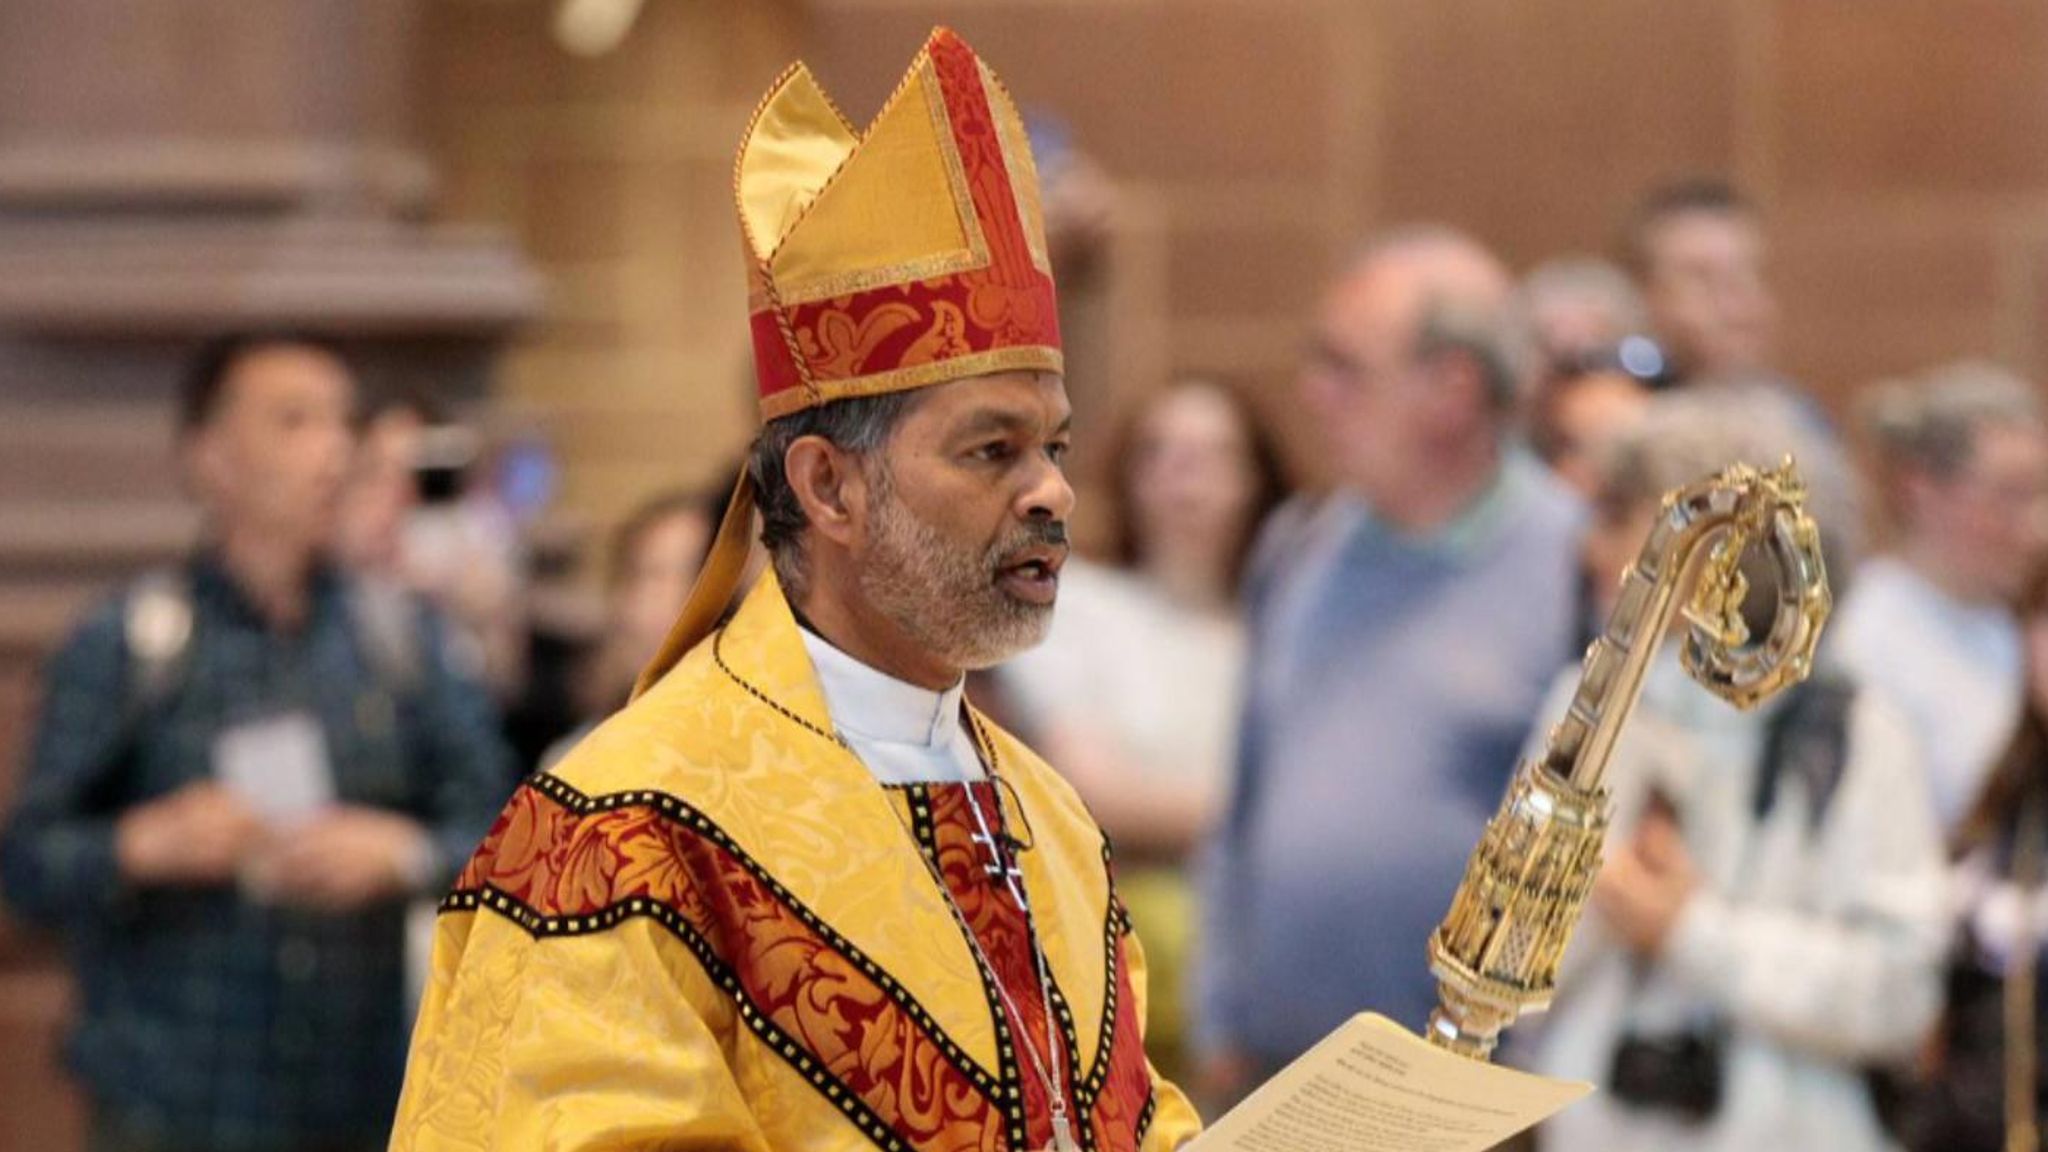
pixel 1049 496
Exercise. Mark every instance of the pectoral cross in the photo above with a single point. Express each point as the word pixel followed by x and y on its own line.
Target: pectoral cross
pixel 1062 1135
pixel 1001 865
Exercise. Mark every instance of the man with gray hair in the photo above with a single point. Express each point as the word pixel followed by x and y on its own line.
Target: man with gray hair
pixel 1402 631
pixel 1963 468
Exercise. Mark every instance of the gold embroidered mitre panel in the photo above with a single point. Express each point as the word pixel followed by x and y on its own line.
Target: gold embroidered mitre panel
pixel 905 256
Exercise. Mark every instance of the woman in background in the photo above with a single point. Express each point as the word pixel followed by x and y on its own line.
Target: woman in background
pixel 1134 695
pixel 1964 469
pixel 1967 1103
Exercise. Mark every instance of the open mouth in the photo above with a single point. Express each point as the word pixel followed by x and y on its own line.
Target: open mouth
pixel 1033 576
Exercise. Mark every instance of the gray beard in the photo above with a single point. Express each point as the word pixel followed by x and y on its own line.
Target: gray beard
pixel 944 597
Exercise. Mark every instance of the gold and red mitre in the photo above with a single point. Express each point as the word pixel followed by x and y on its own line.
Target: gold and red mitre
pixel 903 257
pixel 907 256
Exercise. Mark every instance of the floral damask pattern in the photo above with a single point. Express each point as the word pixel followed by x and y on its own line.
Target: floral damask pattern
pixel 928 322
pixel 570 863
pixel 1115 1104
pixel 1118 1094
pixel 841 342
pixel 569 867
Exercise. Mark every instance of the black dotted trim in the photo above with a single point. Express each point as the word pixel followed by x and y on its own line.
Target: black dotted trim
pixel 924 830
pixel 1062 1014
pixel 718 656
pixel 1116 926
pixel 680 813
pixel 1113 930
pixel 1119 912
pixel 922 826
pixel 1010 1100
pixel 1006 1092
pixel 999 1015
pixel 1145 1116
pixel 1084 1102
pixel 848 1101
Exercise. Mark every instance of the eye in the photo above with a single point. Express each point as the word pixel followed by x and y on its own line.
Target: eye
pixel 995 451
pixel 1057 451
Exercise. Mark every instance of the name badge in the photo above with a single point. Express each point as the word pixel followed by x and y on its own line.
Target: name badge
pixel 278 766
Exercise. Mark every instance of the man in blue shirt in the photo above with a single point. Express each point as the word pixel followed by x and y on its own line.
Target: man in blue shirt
pixel 1403 632
pixel 242 770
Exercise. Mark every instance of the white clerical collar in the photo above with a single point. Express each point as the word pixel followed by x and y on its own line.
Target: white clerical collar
pixel 905 734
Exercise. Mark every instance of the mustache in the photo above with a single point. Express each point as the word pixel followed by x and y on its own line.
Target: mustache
pixel 1033 534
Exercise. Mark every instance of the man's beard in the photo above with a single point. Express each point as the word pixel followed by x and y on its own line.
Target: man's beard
pixel 945 597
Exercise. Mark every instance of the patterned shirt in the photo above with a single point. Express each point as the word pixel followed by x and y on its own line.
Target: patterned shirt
pixel 208 1020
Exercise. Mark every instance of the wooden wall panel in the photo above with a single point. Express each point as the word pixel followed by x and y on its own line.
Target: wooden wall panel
pixel 1187 90
pixel 1870 296
pixel 1249 267
pixel 1534 125
pixel 168 170
pixel 1883 97
pixel 1899 147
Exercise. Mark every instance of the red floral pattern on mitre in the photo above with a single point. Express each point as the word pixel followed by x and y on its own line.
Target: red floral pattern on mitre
pixel 1001 315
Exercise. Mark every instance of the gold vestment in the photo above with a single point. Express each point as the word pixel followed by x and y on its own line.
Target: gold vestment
pixel 707 929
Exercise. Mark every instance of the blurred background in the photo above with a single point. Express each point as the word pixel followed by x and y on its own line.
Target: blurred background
pixel 516 215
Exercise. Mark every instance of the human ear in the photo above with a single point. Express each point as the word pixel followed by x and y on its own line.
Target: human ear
pixel 828 484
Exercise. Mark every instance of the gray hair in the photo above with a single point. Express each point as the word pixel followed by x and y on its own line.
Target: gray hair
pixel 1931 422
pixel 1686 436
pixel 1585 279
pixel 861 425
pixel 1448 327
pixel 1463 312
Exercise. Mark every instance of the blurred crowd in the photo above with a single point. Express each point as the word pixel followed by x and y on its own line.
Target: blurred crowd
pixel 1818 925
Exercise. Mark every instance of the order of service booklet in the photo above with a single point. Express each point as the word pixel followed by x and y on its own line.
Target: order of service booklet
pixel 1373 1086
